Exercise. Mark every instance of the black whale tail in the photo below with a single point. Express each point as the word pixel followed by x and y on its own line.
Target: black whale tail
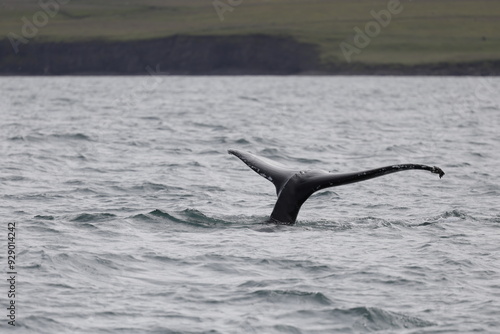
pixel 295 187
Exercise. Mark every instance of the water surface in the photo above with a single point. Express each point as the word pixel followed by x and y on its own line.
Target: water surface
pixel 131 216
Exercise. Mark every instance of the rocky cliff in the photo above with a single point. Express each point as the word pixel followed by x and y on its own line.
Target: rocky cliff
pixel 249 54
pixel 238 54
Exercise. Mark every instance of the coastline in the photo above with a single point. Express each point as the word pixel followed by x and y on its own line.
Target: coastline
pixel 256 54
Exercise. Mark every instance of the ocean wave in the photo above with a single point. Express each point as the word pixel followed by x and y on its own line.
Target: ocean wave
pixel 292 296
pixel 365 319
pixel 189 218
pixel 451 215
pixel 150 186
pixel 92 217
pixel 44 217
pixel 39 137
pixel 376 319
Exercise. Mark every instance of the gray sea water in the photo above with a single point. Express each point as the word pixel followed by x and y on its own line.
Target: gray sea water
pixel 132 218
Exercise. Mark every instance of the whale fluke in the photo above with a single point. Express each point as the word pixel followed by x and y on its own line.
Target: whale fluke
pixel 294 187
pixel 271 170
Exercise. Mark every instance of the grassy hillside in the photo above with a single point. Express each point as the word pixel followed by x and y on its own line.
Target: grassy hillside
pixel 426 31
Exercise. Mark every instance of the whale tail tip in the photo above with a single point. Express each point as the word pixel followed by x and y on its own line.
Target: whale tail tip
pixel 439 171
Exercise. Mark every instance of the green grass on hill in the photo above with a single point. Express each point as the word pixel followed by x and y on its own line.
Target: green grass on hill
pixel 426 31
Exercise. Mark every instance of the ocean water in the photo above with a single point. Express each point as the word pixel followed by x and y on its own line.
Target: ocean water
pixel 132 218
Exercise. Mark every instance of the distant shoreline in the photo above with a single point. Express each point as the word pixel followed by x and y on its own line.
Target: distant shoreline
pixel 257 54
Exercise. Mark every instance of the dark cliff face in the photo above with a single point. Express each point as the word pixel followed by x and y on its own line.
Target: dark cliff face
pixel 249 54
pixel 245 54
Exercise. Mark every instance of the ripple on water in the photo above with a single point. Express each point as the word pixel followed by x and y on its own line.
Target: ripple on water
pixel 187 219
pixel 291 296
pixel 362 319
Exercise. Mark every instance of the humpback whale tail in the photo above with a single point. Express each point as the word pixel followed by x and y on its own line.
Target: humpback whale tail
pixel 294 187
